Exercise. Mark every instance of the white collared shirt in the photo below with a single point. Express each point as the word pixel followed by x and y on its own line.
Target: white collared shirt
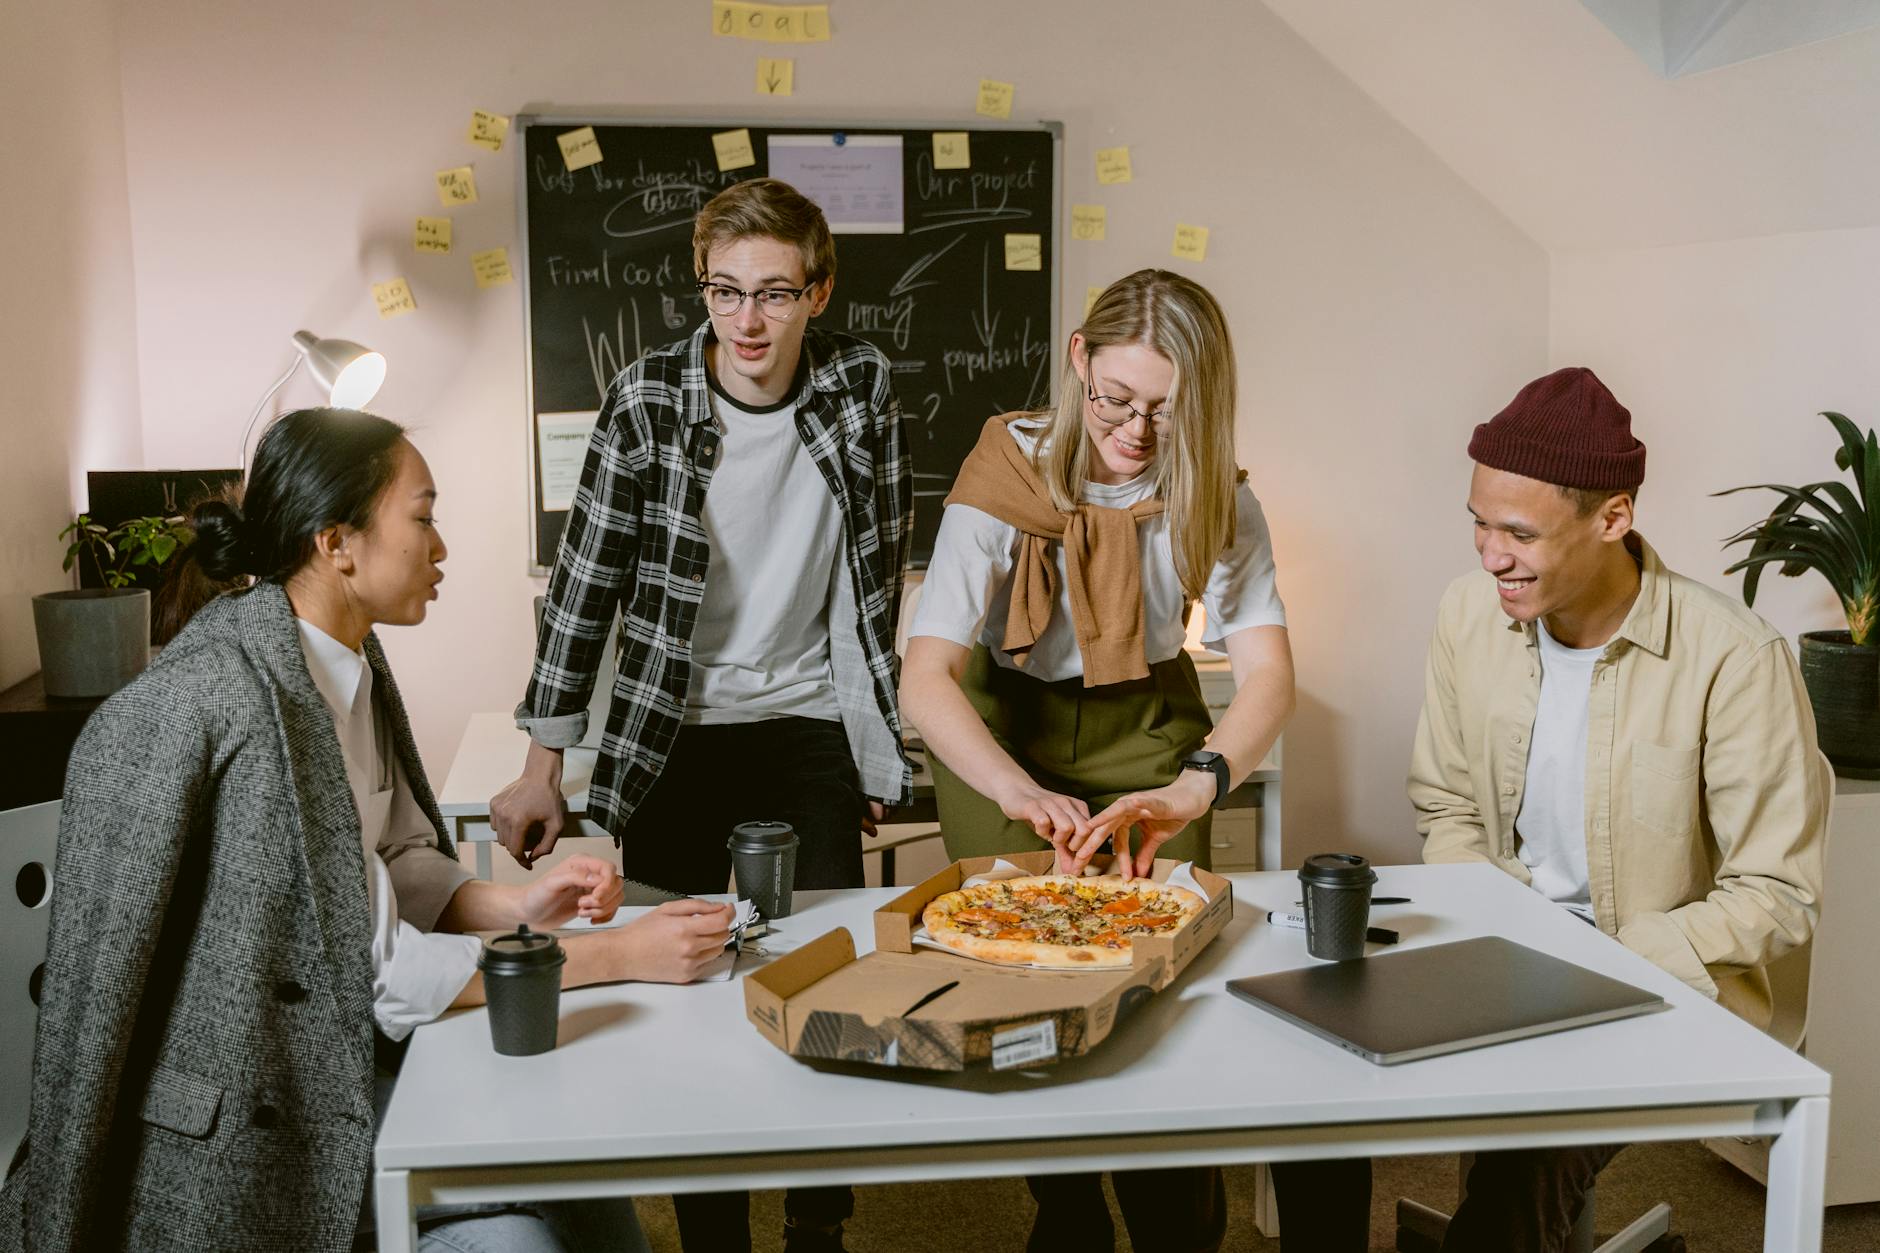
pixel 416 974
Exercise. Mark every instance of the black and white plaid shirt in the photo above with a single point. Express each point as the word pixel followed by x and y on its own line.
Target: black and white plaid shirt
pixel 634 541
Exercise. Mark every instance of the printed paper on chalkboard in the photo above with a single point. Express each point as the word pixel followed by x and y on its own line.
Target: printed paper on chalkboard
pixel 561 446
pixel 857 182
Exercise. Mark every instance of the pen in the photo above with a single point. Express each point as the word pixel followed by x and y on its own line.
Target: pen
pixel 1297 922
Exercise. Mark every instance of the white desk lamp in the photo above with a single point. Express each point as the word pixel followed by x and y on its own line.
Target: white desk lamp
pixel 350 373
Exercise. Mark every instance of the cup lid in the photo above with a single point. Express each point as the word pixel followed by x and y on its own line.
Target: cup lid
pixel 521 949
pixel 1337 870
pixel 761 836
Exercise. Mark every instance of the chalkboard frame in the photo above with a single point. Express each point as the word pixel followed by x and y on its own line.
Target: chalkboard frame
pixel 541 564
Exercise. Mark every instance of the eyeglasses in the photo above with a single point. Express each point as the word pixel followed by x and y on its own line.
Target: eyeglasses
pixel 776 303
pixel 1115 411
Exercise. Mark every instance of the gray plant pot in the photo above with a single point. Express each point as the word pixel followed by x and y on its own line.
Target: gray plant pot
pixel 92 642
pixel 1843 681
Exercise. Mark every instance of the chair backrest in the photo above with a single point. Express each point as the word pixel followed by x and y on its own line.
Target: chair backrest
pixel 29 839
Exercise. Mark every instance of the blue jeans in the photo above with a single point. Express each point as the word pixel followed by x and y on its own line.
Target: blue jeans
pixel 604 1226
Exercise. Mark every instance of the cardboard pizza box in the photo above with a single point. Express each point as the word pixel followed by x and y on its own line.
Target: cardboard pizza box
pixel 822 1002
pixel 896 922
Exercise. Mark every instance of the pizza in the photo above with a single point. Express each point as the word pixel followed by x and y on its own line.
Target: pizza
pixel 1057 920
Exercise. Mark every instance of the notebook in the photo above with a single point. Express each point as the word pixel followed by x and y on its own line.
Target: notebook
pixel 1443 998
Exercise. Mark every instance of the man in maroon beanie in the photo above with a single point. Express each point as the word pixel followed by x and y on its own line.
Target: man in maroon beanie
pixel 1632 744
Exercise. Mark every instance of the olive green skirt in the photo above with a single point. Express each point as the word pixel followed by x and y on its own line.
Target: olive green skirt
pixel 1096 744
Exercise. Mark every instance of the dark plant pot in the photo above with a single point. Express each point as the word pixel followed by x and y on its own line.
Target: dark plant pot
pixel 92 642
pixel 1843 681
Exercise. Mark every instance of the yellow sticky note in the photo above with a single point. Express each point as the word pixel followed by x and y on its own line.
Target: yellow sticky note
pixel 394 298
pixel 579 149
pixel 1113 165
pixel 995 98
pixel 734 149
pixel 776 77
pixel 1090 298
pixel 1191 242
pixel 458 186
pixel 432 235
pixel 772 23
pixel 1024 252
pixel 488 129
pixel 952 150
pixel 1088 221
pixel 491 267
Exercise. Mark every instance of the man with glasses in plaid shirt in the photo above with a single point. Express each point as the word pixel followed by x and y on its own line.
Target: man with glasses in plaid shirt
pixel 745 505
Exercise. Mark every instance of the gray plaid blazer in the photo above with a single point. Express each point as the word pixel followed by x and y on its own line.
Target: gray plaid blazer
pixel 203 1074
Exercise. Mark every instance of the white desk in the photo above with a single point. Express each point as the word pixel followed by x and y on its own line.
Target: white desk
pixel 492 752
pixel 668 1089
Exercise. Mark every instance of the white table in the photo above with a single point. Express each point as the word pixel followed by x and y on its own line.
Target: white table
pixel 669 1089
pixel 492 752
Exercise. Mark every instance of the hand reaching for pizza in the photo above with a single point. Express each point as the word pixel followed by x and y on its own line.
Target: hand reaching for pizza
pixel 1158 815
pixel 1059 819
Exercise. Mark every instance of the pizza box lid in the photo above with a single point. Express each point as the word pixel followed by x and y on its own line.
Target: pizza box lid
pixel 896 921
pixel 822 1002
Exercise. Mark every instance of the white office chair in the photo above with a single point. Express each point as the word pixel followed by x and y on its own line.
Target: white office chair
pixel 29 838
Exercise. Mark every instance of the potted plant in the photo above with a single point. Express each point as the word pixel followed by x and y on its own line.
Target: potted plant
pixel 92 641
pixel 1835 529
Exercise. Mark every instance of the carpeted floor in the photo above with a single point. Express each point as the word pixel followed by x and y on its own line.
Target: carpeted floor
pixel 1715 1207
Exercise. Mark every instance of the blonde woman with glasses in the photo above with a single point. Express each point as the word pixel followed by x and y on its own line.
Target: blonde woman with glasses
pixel 1045 666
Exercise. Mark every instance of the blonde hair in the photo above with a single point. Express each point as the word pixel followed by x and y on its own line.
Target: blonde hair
pixel 771 208
pixel 1195 474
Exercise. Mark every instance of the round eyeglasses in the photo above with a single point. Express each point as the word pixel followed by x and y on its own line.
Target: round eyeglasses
pixel 1115 411
pixel 779 304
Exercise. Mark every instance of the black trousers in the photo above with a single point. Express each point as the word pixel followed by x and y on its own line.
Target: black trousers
pixel 794 770
pixel 1182 1209
pixel 1516 1201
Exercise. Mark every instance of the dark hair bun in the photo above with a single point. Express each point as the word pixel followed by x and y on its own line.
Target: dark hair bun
pixel 221 547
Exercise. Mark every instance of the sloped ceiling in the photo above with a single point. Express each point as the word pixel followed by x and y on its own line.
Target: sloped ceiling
pixel 1549 114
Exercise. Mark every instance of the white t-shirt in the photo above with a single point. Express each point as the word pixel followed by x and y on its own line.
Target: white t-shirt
pixel 415 974
pixel 1550 830
pixel 761 646
pixel 968 589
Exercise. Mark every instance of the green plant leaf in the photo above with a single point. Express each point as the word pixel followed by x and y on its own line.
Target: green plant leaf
pixel 1831 523
pixel 1852 454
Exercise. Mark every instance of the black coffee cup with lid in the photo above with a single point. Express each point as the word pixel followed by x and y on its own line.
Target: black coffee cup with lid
pixel 522 980
pixel 763 861
pixel 1336 890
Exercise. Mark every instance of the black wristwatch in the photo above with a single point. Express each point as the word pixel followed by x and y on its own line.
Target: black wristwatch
pixel 1214 764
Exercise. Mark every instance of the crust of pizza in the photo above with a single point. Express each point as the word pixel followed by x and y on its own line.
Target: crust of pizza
pixel 1060 921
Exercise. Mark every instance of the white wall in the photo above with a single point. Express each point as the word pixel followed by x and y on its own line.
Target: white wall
pixel 278 154
pixel 67 343
pixel 1725 353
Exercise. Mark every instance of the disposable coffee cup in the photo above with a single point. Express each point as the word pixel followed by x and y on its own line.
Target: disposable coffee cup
pixel 522 980
pixel 1336 889
pixel 763 861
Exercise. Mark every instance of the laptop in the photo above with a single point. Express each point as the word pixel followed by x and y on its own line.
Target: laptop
pixel 1443 998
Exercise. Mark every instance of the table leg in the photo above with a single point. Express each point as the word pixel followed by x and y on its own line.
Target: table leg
pixel 397 1220
pixel 1798 1179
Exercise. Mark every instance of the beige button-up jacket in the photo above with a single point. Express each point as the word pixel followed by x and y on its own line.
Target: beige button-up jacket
pixel 1706 799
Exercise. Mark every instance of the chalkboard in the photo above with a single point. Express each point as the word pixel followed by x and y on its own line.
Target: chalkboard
pixel 607 267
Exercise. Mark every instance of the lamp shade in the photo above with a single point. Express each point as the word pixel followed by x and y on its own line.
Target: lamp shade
pixel 350 373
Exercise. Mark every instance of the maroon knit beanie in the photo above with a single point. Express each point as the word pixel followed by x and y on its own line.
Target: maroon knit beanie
pixel 1565 429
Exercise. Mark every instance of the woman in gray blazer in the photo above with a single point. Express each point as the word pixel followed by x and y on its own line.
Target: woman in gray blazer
pixel 255 897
